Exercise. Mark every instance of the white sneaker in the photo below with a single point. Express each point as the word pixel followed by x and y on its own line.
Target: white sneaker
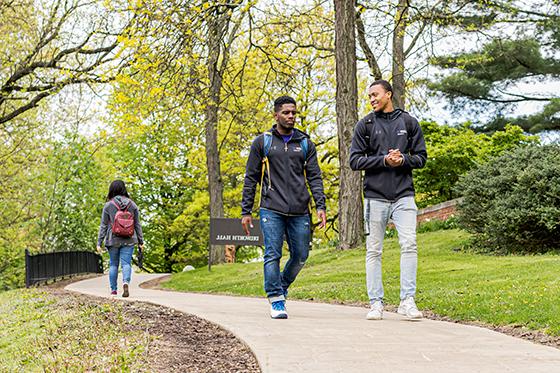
pixel 278 310
pixel 408 309
pixel 376 311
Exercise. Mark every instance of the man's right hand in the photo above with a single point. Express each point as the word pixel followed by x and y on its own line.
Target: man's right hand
pixel 247 222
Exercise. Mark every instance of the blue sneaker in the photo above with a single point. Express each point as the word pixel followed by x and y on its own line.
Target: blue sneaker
pixel 278 310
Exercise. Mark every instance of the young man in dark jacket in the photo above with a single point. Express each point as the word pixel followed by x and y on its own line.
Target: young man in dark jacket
pixel 387 144
pixel 286 162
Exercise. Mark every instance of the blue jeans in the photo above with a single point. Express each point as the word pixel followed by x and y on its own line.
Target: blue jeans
pixel 124 254
pixel 403 213
pixel 275 227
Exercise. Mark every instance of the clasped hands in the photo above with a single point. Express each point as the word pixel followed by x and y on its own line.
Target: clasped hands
pixel 395 158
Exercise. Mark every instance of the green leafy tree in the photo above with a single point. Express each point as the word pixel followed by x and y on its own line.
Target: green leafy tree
pixel 42 53
pixel 75 183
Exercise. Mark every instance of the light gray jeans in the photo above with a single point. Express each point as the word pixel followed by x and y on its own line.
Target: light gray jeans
pixel 377 214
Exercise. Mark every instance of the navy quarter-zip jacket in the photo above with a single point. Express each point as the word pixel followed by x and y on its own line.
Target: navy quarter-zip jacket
pixel 388 131
pixel 286 192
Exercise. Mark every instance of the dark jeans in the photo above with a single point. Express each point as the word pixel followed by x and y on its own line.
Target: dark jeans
pixel 296 230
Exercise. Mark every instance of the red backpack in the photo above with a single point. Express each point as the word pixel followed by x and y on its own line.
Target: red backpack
pixel 123 225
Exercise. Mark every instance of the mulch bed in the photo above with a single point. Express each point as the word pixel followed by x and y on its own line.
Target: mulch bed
pixel 182 343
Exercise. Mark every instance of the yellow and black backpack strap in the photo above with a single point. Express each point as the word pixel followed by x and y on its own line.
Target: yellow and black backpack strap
pixel 267 143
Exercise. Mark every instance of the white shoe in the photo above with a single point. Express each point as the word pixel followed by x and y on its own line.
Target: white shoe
pixel 278 310
pixel 376 311
pixel 408 309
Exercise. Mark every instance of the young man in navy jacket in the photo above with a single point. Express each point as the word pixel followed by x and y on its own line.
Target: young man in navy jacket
pixel 387 144
pixel 284 208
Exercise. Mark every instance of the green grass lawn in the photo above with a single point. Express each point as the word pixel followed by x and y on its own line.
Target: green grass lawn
pixel 40 332
pixel 500 290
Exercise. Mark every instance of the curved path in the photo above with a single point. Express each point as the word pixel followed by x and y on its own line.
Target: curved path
pixel 332 338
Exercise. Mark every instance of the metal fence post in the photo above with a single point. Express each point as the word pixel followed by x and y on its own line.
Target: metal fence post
pixel 27 269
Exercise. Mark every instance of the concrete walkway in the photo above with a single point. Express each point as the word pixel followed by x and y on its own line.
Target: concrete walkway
pixel 331 338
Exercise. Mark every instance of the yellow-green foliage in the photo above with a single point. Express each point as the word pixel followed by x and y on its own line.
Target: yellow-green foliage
pixel 157 117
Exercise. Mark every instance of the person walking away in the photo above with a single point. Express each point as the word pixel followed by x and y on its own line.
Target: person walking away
pixel 284 161
pixel 120 231
pixel 387 145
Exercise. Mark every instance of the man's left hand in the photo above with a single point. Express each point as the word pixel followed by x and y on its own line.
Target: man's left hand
pixel 322 217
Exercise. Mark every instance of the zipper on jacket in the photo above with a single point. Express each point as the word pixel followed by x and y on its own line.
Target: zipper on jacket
pixel 285 146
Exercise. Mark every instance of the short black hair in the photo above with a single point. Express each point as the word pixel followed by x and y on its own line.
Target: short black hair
pixel 281 101
pixel 385 84
pixel 117 188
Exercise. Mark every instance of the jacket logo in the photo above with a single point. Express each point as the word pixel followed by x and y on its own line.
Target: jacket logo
pixel 297 149
pixel 401 133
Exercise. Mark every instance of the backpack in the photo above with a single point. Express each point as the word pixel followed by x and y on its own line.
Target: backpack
pixel 123 225
pixel 370 124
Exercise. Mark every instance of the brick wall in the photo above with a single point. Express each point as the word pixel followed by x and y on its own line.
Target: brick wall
pixel 441 211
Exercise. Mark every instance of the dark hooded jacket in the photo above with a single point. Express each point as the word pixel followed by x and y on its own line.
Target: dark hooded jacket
pixel 370 145
pixel 107 218
pixel 286 190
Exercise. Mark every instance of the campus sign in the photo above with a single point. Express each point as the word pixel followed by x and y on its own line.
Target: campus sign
pixel 230 232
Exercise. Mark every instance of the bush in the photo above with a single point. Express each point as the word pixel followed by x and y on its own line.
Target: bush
pixel 512 203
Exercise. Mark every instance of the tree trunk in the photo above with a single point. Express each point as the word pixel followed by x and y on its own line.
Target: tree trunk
pixel 350 195
pixel 399 86
pixel 216 31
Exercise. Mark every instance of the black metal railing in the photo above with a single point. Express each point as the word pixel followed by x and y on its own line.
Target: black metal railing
pixel 44 267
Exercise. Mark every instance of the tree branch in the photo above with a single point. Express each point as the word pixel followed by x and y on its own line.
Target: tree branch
pixel 370 58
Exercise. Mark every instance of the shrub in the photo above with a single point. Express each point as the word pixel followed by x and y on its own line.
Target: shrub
pixel 512 203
